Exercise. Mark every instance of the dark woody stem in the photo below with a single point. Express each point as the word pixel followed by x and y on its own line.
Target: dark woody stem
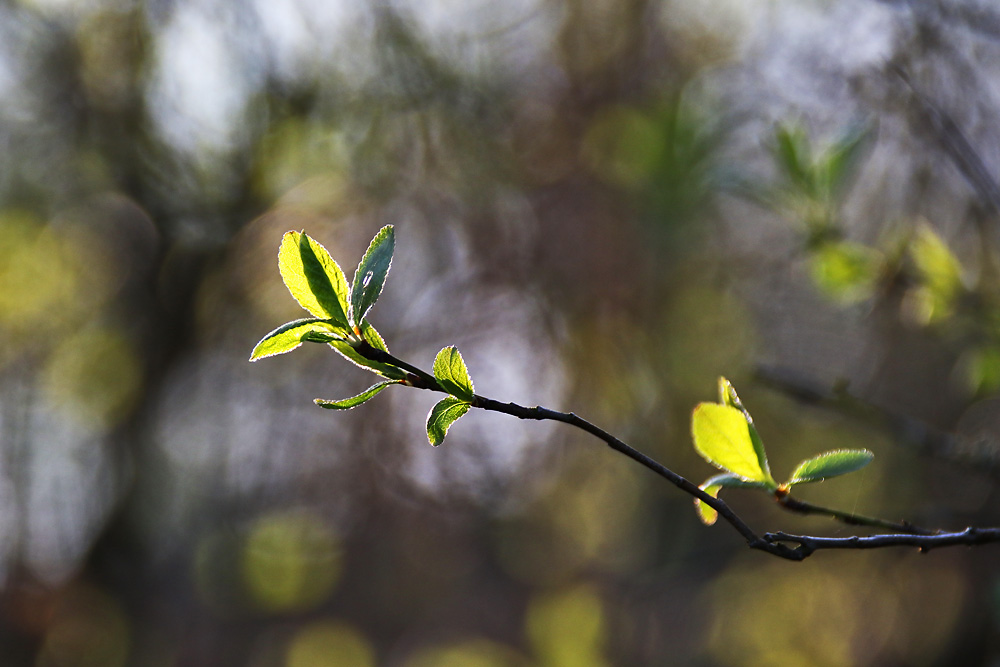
pixel 776 544
pixel 803 507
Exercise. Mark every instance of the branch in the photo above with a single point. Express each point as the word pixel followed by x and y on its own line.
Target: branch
pixel 809 545
pixel 956 146
pixel 775 544
pixel 850 518
pixel 912 433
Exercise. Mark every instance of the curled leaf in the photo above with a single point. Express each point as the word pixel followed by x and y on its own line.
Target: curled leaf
pixel 355 401
pixel 444 413
pixel 712 486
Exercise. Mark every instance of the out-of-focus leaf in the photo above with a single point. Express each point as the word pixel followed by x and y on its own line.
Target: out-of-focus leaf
pixel 289 336
pixel 728 396
pixel 355 401
pixel 842 157
pixel 940 275
pixel 830 464
pixel 791 150
pixel 444 413
pixel 713 485
pixel 313 278
pixel 451 373
pixel 722 437
pixel 981 368
pixel 845 271
pixel 369 278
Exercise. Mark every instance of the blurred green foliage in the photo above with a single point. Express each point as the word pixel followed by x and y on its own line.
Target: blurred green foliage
pixel 563 175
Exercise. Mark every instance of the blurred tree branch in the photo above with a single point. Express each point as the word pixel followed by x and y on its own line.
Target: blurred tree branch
pixel 956 146
pixel 913 433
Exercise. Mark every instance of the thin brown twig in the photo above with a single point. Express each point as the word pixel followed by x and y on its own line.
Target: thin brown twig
pixel 850 518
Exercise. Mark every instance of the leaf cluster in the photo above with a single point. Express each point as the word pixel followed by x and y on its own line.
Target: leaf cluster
pixel 725 436
pixel 339 319
pixel 939 291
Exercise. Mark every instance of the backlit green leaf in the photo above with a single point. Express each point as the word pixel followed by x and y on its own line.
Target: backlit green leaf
pixel 375 340
pixel 451 373
pixel 289 336
pixel 722 437
pixel 313 277
pixel 372 337
pixel 830 464
pixel 444 413
pixel 369 278
pixel 713 485
pixel 355 401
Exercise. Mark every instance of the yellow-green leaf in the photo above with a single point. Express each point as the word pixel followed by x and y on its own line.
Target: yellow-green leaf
pixel 291 335
pixel 313 278
pixel 846 271
pixel 940 275
pixel 728 396
pixel 722 437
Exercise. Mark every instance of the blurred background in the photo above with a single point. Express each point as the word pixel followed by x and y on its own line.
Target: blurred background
pixel 605 205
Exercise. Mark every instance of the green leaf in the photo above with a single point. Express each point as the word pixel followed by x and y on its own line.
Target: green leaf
pixel 313 277
pixel 444 413
pixel 355 401
pixel 373 338
pixel 728 396
pixel 713 485
pixel 722 437
pixel 791 149
pixel 369 278
pixel 451 373
pixel 291 335
pixel 830 464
